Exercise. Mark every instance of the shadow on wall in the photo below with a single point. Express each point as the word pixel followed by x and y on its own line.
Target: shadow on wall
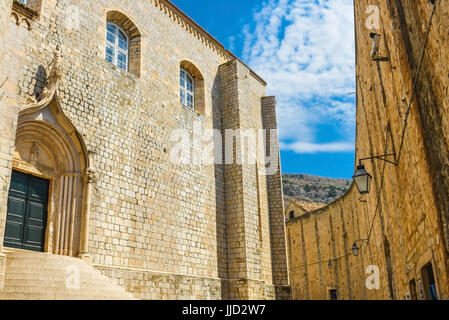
pixel 221 223
pixel 41 82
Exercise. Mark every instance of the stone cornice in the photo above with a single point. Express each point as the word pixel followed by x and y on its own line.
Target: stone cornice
pixel 190 25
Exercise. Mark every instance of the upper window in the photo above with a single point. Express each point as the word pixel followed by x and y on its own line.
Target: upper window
pixel 187 89
pixel 30 4
pixel 122 43
pixel 24 11
pixel 117 46
pixel 192 87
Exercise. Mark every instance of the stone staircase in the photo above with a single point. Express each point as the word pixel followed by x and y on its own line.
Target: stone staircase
pixel 42 276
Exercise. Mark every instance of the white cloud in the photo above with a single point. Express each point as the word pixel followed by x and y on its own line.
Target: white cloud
pixel 305 51
pixel 231 41
pixel 305 147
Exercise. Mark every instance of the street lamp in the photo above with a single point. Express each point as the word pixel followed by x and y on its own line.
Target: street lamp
pixel 362 178
pixel 356 248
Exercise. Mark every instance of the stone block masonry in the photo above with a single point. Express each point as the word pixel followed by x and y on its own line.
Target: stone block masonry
pixel 276 207
pixel 405 215
pixel 161 230
pixel 247 195
pixel 7 126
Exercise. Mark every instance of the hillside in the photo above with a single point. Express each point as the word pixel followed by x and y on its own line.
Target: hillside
pixel 315 189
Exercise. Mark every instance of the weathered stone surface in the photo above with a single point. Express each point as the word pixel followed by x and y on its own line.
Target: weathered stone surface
pixel 166 224
pixel 405 215
pixel 41 276
pixel 297 208
pixel 6 126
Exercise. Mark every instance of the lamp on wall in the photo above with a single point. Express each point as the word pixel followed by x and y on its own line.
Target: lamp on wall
pixel 329 264
pixel 376 45
pixel 356 248
pixel 363 179
pixel 375 51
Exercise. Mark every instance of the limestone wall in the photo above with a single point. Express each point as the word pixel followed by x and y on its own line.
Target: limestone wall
pixel 5 7
pixel 276 204
pixel 161 221
pixel 6 125
pixel 248 193
pixel 405 215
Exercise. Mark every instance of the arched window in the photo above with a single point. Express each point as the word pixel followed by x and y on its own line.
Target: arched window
pixel 117 46
pixel 123 42
pixel 192 87
pixel 187 91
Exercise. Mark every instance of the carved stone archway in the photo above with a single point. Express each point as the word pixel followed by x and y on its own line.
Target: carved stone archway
pixel 49 146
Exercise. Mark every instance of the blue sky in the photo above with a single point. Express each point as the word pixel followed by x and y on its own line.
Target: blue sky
pixel 305 51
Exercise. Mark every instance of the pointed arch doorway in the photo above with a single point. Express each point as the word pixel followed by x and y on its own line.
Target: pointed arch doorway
pixel 49 196
pixel 50 185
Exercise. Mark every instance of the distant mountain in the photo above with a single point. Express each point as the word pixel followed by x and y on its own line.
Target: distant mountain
pixel 308 188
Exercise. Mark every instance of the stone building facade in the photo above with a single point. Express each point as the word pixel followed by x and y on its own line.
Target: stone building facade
pixel 296 208
pixel 102 138
pixel 401 225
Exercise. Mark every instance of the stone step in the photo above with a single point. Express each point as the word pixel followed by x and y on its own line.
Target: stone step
pixel 40 276
pixel 85 279
pixel 49 290
pixel 47 269
pixel 55 296
pixel 54 285
pixel 59 296
pixel 43 259
pixel 37 255
pixel 44 291
pixel 95 284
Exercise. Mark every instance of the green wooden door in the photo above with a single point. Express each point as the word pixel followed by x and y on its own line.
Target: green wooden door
pixel 26 219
